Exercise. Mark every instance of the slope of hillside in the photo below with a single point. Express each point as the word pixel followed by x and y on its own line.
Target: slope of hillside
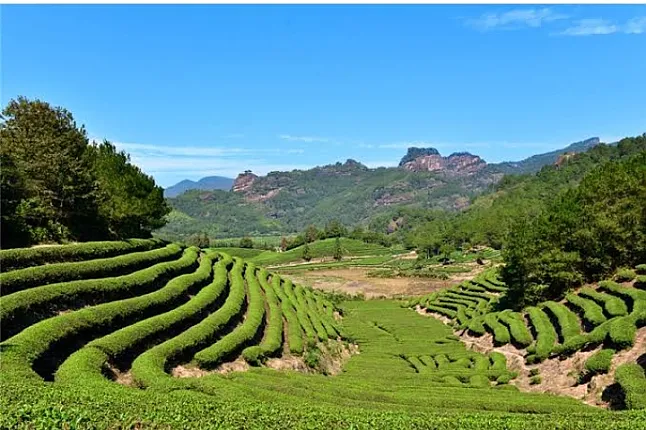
pixel 207 183
pixel 204 340
pixel 286 202
pixel 534 163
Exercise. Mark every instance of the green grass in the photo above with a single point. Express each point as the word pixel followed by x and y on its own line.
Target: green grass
pixel 318 249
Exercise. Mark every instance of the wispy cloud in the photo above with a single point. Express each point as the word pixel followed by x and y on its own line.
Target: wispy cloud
pixel 306 139
pixel 589 27
pixel 515 19
pixel 598 26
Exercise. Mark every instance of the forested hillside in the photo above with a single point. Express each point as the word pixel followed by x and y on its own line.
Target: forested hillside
pixel 57 186
pixel 570 223
pixel 286 202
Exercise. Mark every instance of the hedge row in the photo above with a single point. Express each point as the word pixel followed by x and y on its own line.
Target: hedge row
pixel 498 361
pixel 500 332
pixel 132 337
pixel 12 259
pixel 568 322
pixel 599 362
pixel 592 312
pixel 312 314
pixel 149 369
pixel 640 282
pixel 273 336
pixel 245 332
pixel 442 310
pixel 294 332
pixel 301 312
pixel 545 334
pixel 428 361
pixel 632 381
pixel 23 279
pixel 317 307
pixel 27 307
pixel 519 332
pixel 30 346
pixel 614 306
pixel 476 327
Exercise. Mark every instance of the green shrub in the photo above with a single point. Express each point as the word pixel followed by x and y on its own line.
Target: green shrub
pixel 545 333
pixel 535 380
pixel 592 312
pixel 498 361
pixel 599 362
pixel 235 340
pixel 614 306
pixel 640 282
pixel 26 307
pixel 140 333
pixel 624 275
pixel 149 368
pixel 640 269
pixel 535 371
pixel 516 323
pixel 12 259
pixel 632 381
pixel 567 320
pixel 500 332
pixel 23 279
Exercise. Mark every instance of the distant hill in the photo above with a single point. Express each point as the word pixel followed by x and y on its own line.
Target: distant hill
pixel 207 183
pixel 534 163
pixel 286 202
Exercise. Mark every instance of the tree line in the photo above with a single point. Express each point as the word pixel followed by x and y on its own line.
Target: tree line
pixel 57 186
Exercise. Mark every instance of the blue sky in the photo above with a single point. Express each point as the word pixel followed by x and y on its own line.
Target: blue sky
pixel 191 91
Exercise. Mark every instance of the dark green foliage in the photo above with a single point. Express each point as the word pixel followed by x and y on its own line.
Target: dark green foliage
pixel 246 242
pixel 516 323
pixel 307 255
pixel 201 240
pixel 56 186
pixel 585 233
pixel 640 282
pixel 338 251
pixel 640 269
pixel 535 380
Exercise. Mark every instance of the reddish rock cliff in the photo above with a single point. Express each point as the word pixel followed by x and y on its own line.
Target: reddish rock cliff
pixel 461 163
pixel 243 182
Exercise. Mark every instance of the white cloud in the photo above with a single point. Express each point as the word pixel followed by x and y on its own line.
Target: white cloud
pixel 635 26
pixel 588 27
pixel 515 18
pixel 307 139
pixel 598 26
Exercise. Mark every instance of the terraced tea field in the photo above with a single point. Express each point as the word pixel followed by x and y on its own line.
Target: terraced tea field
pixel 144 334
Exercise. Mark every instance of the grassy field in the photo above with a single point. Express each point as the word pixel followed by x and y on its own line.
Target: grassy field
pixel 86 348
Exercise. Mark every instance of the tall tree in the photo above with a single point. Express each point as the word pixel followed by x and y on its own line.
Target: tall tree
pixel 338 251
pixel 130 203
pixel 50 150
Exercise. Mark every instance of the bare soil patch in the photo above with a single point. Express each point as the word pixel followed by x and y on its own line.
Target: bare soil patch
pixel 356 281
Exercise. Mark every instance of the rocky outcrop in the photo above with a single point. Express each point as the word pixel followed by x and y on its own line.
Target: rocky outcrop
pixel 458 163
pixel 564 158
pixel 243 182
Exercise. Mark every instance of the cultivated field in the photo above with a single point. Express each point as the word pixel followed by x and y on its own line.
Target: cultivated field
pixel 145 334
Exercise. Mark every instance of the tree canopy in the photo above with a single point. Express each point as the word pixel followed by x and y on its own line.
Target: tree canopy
pixel 57 186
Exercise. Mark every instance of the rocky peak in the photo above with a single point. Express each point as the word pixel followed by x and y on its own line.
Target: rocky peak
pixel 244 181
pixel 429 159
pixel 414 153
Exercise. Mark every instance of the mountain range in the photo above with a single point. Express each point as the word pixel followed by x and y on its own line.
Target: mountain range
pixel 286 202
pixel 207 183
